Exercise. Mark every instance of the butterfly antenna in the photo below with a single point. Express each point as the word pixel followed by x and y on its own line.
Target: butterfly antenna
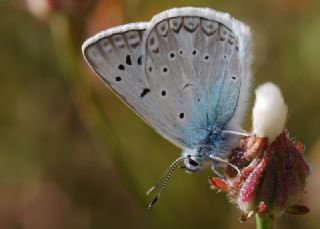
pixel 163 180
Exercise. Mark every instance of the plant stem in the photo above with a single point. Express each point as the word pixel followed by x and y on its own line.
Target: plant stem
pixel 263 223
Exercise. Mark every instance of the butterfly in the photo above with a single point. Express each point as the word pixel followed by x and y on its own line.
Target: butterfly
pixel 186 73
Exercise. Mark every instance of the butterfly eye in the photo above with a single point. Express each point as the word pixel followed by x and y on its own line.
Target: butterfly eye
pixel 192 162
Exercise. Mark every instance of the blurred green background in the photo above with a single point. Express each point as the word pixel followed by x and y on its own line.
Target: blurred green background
pixel 73 156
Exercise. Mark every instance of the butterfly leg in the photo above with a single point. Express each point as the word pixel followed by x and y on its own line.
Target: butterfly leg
pixel 218 159
pixel 214 166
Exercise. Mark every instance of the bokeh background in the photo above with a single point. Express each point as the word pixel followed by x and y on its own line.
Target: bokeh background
pixel 72 156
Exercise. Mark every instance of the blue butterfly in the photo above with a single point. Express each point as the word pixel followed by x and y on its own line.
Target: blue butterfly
pixel 186 73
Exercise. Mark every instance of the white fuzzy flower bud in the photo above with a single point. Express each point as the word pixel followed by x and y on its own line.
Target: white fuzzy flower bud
pixel 269 112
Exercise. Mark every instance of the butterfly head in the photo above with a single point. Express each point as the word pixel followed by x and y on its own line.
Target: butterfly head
pixel 193 160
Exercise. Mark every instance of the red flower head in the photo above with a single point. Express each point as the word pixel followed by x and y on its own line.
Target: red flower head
pixel 273 171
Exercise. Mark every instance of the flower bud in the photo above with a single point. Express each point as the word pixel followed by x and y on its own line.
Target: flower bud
pixel 277 180
pixel 269 112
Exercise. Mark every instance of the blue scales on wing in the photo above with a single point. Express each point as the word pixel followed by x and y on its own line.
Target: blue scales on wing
pixel 197 64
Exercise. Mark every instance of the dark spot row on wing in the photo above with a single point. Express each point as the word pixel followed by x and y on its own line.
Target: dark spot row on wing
pixel 165 70
pixel 106 45
pixel 130 38
pixel 189 24
pixel 128 61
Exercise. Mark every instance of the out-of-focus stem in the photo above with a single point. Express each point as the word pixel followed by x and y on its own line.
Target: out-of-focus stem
pixel 263 223
pixel 68 51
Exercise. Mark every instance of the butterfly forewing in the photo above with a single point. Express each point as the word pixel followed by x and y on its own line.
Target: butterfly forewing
pixel 116 56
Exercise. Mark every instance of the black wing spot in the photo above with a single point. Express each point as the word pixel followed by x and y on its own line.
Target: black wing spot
pixel 118 78
pixel 237 48
pixel 181 115
pixel 128 60
pixel 225 57
pixel 144 92
pixel 150 69
pixel 198 99
pixel 233 77
pixel 206 57
pixel 164 69
pixel 181 52
pixel 163 93
pixel 171 55
pixel 121 67
pixel 139 60
pixel 194 52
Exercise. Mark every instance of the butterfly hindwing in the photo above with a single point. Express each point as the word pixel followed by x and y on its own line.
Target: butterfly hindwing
pixel 193 66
